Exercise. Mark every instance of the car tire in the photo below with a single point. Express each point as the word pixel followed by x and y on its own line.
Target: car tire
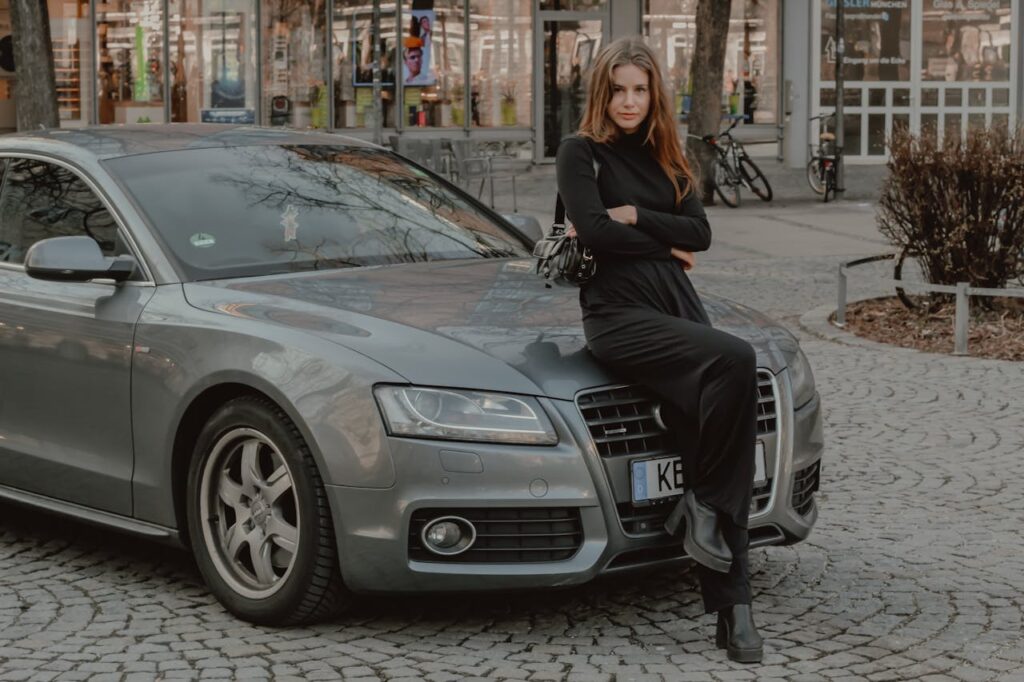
pixel 259 520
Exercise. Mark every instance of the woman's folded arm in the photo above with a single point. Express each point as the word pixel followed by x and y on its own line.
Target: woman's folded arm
pixel 577 185
pixel 687 229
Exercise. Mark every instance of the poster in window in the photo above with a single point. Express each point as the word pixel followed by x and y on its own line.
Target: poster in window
pixel 362 51
pixel 877 36
pixel 966 41
pixel 416 48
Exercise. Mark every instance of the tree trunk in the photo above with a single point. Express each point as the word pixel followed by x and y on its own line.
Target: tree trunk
pixel 35 90
pixel 706 76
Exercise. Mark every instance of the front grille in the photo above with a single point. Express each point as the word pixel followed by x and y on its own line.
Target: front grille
pixel 760 496
pixel 805 484
pixel 767 417
pixel 621 420
pixel 622 423
pixel 506 535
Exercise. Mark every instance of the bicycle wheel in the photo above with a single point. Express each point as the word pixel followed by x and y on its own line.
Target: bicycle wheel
pixel 815 178
pixel 755 179
pixel 727 185
pixel 830 183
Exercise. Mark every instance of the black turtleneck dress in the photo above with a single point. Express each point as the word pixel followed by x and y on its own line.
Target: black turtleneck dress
pixel 644 321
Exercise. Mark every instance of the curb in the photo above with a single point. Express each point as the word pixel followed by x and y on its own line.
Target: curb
pixel 816 322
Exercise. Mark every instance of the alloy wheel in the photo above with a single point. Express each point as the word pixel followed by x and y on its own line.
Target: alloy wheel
pixel 250 513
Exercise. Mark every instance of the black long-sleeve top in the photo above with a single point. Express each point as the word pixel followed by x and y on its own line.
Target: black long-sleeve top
pixel 634 263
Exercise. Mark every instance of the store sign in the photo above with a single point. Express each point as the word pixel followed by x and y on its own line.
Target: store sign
pixel 877 40
pixel 239 115
pixel 966 40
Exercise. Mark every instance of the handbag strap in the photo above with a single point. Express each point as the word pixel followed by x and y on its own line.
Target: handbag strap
pixel 559 211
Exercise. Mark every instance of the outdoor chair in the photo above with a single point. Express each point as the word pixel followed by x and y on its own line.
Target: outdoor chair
pixel 471 165
pixel 428 153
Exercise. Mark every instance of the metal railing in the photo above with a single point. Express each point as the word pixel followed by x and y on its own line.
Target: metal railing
pixel 962 290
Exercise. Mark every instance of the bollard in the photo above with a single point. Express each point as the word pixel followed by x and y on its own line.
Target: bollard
pixel 841 308
pixel 962 318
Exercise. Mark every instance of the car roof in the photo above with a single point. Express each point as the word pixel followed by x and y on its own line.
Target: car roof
pixel 112 141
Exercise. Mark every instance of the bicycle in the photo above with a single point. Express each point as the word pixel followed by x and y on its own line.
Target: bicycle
pixel 734 168
pixel 822 168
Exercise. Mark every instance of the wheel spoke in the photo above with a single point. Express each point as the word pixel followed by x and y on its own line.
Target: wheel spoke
pixel 234 539
pixel 259 553
pixel 278 483
pixel 283 534
pixel 230 493
pixel 251 478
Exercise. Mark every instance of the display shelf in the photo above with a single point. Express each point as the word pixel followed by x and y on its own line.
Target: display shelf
pixel 67 69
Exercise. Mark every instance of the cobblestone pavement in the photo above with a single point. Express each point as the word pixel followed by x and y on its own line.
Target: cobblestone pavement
pixel 913 572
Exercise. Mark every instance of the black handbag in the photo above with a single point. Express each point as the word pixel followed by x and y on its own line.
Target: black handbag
pixel 562 259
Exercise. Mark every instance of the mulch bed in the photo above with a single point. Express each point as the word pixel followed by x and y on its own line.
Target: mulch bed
pixel 996 333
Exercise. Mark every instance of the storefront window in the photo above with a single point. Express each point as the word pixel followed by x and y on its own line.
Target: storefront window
pixel 966 44
pixel 72 59
pixel 294 63
pixel 433 67
pixel 750 81
pixel 130 78
pixel 877 36
pixel 213 65
pixel 352 47
pixel 501 63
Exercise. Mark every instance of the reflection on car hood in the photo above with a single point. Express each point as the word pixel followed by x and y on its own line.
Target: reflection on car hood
pixel 445 323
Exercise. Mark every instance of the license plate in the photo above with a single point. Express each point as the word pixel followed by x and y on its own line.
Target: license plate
pixel 663 477
pixel 656 478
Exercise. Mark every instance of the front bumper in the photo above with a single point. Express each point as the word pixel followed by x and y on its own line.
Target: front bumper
pixel 373 526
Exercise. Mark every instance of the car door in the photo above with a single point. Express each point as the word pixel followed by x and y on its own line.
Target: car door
pixel 65 347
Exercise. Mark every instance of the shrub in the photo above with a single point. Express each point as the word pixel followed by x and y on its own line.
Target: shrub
pixel 958 207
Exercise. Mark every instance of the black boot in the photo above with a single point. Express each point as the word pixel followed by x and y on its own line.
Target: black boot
pixel 737 634
pixel 703 540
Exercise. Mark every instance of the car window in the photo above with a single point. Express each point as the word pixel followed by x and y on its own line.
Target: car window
pixel 42 200
pixel 257 210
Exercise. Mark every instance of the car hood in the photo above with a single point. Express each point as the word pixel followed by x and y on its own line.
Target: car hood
pixel 486 324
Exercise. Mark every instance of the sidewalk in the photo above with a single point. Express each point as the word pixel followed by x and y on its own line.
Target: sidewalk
pixel 536 191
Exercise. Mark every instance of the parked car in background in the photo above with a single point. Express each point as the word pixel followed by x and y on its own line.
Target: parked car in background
pixel 327 371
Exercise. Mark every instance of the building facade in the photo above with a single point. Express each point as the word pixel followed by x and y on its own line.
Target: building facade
pixel 514 70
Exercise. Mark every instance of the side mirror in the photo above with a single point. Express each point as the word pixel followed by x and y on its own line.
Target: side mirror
pixel 75 259
pixel 526 224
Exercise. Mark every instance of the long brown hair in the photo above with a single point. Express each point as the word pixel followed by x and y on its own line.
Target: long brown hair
pixel 662 136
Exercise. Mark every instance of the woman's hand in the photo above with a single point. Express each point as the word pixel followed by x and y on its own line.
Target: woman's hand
pixel 686 257
pixel 623 214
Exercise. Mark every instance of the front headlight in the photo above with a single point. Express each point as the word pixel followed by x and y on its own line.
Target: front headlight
pixel 453 414
pixel 800 376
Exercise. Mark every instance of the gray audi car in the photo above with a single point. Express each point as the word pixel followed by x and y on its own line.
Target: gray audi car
pixel 327 371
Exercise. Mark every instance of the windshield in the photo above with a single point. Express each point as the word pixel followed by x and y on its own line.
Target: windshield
pixel 259 210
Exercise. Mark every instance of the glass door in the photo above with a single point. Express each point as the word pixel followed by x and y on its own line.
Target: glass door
pixel 130 69
pixel 566 43
pixel 212 69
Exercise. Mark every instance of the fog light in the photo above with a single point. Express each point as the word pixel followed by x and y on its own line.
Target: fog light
pixel 448 535
pixel 444 535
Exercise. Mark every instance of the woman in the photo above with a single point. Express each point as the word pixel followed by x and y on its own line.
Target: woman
pixel 630 196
